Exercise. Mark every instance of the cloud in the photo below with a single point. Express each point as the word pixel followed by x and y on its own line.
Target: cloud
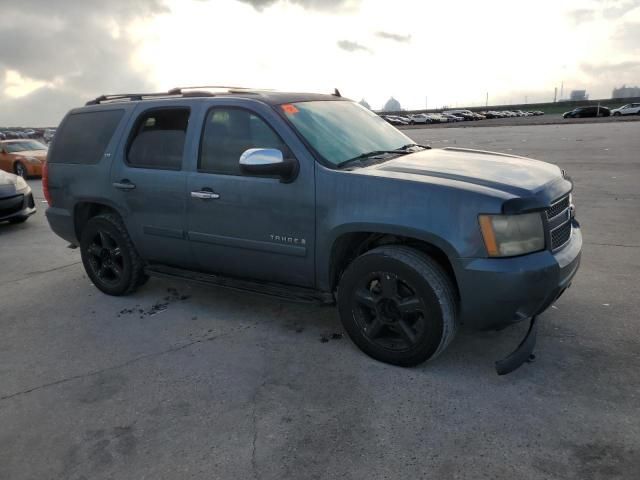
pixel 309 4
pixel 615 9
pixel 627 36
pixel 350 46
pixel 581 15
pixel 77 52
pixel 394 36
pixel 613 74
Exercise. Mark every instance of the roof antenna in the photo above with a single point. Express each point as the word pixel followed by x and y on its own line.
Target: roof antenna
pixel 336 93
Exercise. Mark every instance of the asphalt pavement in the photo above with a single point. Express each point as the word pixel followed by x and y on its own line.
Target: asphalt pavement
pixel 182 381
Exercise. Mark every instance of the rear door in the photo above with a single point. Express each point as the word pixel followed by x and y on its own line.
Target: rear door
pixel 250 227
pixel 149 182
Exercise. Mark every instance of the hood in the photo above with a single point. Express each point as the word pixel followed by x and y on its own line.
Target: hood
pixel 511 174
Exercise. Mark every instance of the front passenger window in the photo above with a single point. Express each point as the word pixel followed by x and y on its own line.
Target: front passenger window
pixel 228 132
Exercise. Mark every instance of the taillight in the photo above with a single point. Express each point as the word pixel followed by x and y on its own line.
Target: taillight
pixel 45 182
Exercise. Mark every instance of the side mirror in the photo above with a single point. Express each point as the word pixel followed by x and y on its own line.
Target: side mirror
pixel 268 162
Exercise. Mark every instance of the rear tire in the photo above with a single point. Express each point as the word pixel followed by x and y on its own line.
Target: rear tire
pixel 398 305
pixel 109 256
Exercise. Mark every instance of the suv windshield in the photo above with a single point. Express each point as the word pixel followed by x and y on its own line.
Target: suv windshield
pixel 340 130
pixel 24 146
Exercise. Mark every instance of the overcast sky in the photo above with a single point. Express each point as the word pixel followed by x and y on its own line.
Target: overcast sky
pixel 56 55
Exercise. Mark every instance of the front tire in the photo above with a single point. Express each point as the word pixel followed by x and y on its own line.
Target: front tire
pixel 617 114
pixel 109 256
pixel 20 170
pixel 398 305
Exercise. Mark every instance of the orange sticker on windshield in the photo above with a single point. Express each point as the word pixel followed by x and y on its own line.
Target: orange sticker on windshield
pixel 289 109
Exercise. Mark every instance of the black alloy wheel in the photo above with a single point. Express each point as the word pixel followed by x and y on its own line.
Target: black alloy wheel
pixel 398 305
pixel 389 311
pixel 105 258
pixel 109 256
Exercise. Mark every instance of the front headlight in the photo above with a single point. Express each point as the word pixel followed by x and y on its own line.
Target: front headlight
pixel 20 183
pixel 510 235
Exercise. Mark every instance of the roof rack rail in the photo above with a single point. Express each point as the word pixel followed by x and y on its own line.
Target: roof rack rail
pixel 178 91
pixel 132 97
pixel 221 87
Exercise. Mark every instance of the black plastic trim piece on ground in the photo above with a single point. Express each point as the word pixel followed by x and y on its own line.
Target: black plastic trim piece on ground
pixel 522 354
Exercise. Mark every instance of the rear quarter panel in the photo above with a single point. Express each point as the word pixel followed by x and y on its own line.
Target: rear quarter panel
pixel 74 183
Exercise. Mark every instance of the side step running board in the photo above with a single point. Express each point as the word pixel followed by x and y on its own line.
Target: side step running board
pixel 283 292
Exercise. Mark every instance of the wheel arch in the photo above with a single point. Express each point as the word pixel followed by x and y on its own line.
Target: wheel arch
pixel 84 210
pixel 350 244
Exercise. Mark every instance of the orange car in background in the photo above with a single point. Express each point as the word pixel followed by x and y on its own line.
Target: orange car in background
pixel 23 157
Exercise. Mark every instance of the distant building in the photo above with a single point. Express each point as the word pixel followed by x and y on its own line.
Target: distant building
pixel 625 92
pixel 365 104
pixel 392 105
pixel 577 95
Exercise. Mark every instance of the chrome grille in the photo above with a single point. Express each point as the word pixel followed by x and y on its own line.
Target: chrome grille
pixel 558 207
pixel 559 222
pixel 560 235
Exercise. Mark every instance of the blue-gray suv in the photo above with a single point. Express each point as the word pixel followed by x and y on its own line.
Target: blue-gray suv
pixel 313 197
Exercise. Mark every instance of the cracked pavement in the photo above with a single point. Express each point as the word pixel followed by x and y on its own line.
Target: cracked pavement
pixel 223 384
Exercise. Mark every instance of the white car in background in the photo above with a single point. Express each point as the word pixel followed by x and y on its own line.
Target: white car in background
pixel 438 118
pixel 630 109
pixel 420 118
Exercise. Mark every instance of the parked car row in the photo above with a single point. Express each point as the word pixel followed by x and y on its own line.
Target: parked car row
pixel 512 113
pixel 38 133
pixel 460 115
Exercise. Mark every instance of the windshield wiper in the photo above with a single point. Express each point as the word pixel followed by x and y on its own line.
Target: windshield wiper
pixel 368 155
pixel 359 159
pixel 409 145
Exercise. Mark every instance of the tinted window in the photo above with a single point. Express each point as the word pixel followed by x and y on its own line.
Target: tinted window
pixel 228 132
pixel 83 137
pixel 158 140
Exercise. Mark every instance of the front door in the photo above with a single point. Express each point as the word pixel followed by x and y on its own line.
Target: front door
pixel 248 226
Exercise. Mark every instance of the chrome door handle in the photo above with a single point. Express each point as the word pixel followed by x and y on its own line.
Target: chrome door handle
pixel 203 195
pixel 124 185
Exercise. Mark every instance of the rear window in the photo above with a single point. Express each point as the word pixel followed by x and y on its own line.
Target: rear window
pixel 83 137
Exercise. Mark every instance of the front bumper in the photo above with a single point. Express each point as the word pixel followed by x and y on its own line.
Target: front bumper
pixel 496 292
pixel 19 205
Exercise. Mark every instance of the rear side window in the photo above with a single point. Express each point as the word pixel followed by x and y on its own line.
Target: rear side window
pixel 158 139
pixel 83 137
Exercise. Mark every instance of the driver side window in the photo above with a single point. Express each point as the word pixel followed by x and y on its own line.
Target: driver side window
pixel 228 132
